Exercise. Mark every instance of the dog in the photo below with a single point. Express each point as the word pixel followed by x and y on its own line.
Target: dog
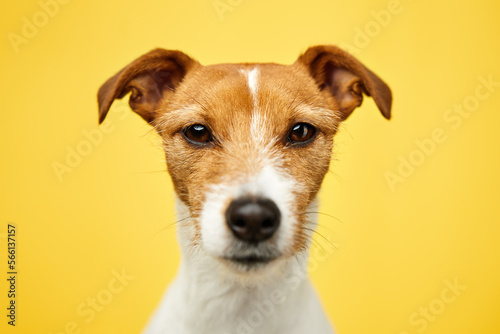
pixel 247 147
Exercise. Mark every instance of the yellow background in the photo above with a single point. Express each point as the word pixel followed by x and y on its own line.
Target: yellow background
pixel 395 249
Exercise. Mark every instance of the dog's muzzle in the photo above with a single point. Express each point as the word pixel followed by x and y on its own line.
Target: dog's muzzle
pixel 253 220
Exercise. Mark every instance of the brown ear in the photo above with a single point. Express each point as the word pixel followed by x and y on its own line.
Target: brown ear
pixel 149 78
pixel 346 78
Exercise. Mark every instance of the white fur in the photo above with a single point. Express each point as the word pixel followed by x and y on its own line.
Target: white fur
pixel 268 183
pixel 252 75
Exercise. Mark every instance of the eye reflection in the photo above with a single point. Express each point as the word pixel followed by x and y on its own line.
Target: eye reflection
pixel 197 134
pixel 301 133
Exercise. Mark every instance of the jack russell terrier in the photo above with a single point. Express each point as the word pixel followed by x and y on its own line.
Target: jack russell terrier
pixel 247 147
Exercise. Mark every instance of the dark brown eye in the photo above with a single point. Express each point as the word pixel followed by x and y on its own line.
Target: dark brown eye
pixel 197 134
pixel 301 133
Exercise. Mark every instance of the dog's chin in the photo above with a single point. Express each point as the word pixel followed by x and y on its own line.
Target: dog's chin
pixel 252 270
pixel 249 263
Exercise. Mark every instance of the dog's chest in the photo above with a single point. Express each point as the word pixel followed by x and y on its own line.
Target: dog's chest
pixel 289 306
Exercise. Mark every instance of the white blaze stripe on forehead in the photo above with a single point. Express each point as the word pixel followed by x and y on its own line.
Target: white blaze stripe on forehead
pixel 252 80
pixel 258 121
pixel 268 183
pixel 252 76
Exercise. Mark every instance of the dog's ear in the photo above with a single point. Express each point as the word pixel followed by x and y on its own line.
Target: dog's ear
pixel 346 78
pixel 150 78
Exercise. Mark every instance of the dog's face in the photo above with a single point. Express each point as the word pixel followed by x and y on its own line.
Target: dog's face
pixel 255 134
pixel 247 145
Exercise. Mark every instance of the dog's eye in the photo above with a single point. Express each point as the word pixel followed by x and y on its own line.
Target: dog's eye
pixel 197 134
pixel 301 133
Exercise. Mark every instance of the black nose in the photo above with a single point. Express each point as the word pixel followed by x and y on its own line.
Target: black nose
pixel 253 219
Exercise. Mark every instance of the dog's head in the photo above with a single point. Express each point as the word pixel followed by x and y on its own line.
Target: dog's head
pixel 247 145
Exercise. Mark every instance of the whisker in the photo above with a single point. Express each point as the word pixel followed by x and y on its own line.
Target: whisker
pixel 294 98
pixel 198 102
pixel 316 243
pixel 303 101
pixel 171 225
pixel 321 235
pixel 321 213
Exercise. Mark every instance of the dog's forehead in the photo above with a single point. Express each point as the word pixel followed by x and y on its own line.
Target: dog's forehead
pixel 259 77
pixel 235 93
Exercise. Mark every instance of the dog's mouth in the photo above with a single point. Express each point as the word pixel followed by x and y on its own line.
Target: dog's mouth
pixel 249 258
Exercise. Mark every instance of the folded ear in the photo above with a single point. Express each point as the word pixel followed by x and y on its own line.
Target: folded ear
pixel 346 78
pixel 150 78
